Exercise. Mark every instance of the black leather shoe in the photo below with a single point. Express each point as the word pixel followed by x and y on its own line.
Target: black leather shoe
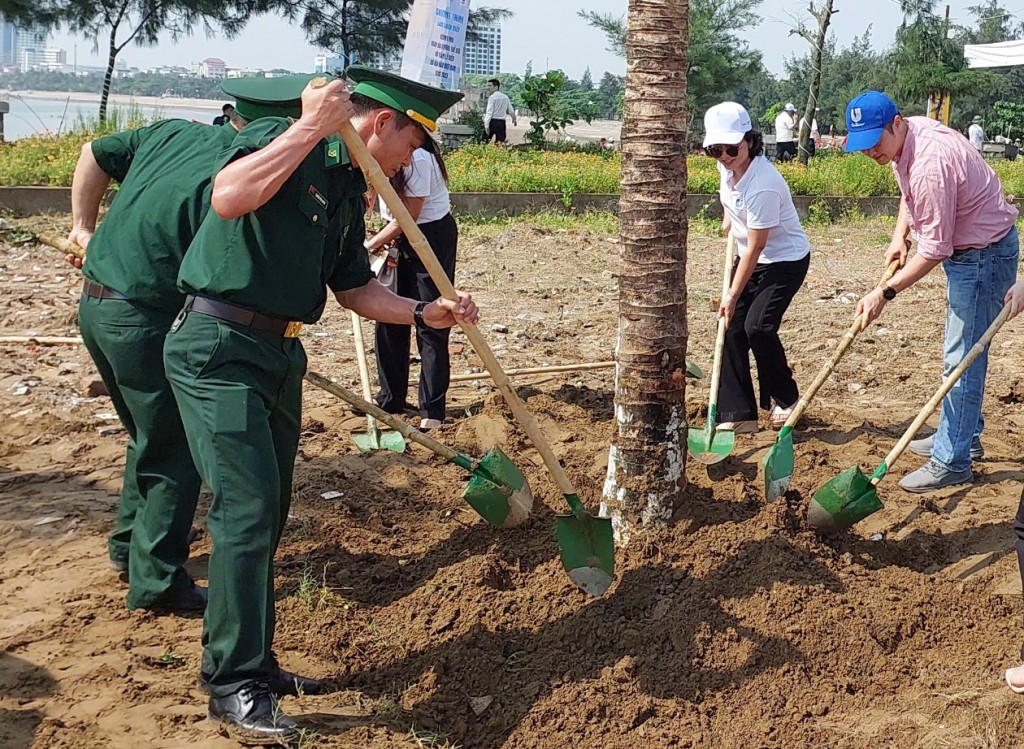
pixel 252 716
pixel 188 601
pixel 282 684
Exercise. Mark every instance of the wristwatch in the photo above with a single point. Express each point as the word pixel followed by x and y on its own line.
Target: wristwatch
pixel 888 293
pixel 417 314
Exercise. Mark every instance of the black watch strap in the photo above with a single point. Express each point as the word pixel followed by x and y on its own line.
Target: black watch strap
pixel 417 314
pixel 888 293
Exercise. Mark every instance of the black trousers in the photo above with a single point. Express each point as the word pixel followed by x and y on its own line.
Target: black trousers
pixel 497 131
pixel 1018 531
pixel 755 327
pixel 392 341
pixel 785 151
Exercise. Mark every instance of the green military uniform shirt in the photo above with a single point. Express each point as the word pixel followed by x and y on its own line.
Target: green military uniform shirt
pixel 279 258
pixel 165 171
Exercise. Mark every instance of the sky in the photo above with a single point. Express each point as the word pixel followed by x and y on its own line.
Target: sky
pixel 548 32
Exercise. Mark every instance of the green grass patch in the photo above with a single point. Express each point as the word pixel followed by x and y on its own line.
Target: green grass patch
pixel 48 160
pixel 51 161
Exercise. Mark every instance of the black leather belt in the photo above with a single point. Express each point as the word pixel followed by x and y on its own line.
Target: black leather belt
pixel 99 291
pixel 242 316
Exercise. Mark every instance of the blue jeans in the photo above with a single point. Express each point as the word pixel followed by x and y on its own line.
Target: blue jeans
pixel 977 283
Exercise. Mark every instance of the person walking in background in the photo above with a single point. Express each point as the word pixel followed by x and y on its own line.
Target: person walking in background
pixel 225 115
pixel 785 138
pixel 423 186
pixel 774 255
pixel 499 110
pixel 976 134
pixel 953 204
pixel 812 142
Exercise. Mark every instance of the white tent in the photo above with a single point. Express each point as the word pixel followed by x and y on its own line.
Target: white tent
pixel 998 55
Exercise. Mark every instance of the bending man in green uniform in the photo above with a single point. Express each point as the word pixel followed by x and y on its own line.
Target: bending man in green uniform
pixel 128 302
pixel 287 222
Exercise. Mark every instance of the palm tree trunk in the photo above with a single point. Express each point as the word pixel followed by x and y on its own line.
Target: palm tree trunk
pixel 646 463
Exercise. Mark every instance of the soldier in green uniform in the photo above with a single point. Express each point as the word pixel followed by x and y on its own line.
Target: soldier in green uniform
pixel 287 223
pixel 129 300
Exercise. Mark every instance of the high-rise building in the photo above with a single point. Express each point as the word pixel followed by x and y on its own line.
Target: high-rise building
pixel 8 37
pixel 30 38
pixel 483 57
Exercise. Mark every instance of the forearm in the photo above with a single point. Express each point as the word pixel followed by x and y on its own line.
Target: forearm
pixel 916 268
pixel 375 302
pixel 756 241
pixel 249 182
pixel 388 234
pixel 87 188
pixel 902 230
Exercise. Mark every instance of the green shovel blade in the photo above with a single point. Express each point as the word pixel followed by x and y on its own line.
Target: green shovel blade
pixel 693 370
pixel 587 548
pixel 778 465
pixel 498 490
pixel 839 503
pixel 709 445
pixel 375 438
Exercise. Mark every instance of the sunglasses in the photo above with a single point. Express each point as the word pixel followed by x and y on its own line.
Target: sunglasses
pixel 717 152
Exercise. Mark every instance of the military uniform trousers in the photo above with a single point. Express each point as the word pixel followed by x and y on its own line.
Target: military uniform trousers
pixel 161 484
pixel 240 394
pixel 391 341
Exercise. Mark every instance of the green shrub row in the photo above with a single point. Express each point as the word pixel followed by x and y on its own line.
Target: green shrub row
pixel 51 161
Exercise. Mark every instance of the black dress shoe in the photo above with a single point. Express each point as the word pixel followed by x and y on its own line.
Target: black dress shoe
pixel 188 601
pixel 252 716
pixel 282 684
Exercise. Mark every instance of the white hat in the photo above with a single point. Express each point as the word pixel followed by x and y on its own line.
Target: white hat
pixel 726 123
pixel 789 107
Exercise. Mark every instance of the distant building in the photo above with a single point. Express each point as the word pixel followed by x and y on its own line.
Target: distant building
pixel 8 42
pixel 244 72
pixel 211 67
pixel 47 58
pixel 328 64
pixel 483 57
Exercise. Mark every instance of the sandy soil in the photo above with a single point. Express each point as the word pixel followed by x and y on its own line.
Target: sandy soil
pixel 734 627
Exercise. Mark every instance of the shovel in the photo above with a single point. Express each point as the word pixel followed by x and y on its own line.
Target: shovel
pixel 851 496
pixel 498 490
pixel 778 463
pixel 710 445
pixel 586 542
pixel 373 438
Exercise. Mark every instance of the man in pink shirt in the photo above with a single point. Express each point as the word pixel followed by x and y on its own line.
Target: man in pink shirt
pixel 953 205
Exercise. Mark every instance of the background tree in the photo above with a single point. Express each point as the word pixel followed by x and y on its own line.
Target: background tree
pixel 368 30
pixel 719 59
pixel 646 463
pixel 122 22
pixel 927 59
pixel 823 15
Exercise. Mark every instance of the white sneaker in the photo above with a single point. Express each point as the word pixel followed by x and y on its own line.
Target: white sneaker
pixel 427 424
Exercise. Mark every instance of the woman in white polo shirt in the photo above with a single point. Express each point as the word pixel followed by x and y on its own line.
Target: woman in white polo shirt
pixel 773 255
pixel 423 186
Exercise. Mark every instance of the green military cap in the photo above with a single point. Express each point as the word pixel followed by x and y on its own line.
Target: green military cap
pixel 420 102
pixel 267 97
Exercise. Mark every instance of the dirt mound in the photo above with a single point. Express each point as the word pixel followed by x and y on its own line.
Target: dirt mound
pixel 735 626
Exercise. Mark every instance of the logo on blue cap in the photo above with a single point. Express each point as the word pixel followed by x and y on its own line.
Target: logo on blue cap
pixel 866 118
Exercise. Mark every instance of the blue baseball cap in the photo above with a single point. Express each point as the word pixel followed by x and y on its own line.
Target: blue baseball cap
pixel 866 118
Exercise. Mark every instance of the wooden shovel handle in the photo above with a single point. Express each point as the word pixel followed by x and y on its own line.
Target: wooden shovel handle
pixel 408 431
pixel 419 243
pixel 364 371
pixel 59 243
pixel 723 324
pixel 830 366
pixel 947 385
